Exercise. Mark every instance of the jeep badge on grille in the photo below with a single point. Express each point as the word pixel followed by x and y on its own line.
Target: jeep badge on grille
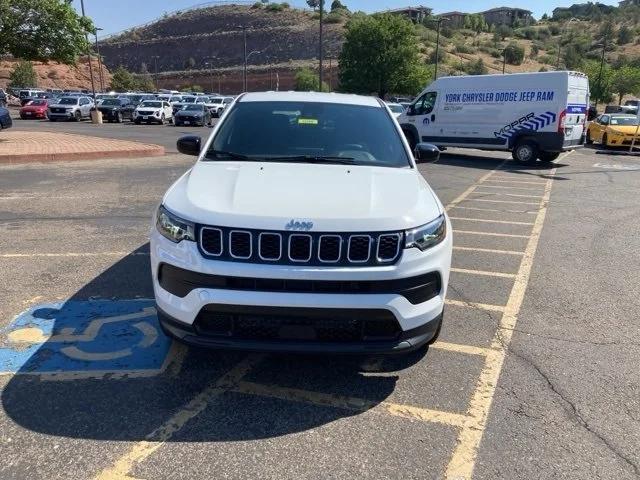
pixel 297 225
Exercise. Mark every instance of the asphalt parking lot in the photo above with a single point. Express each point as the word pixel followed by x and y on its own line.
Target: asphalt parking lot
pixel 535 374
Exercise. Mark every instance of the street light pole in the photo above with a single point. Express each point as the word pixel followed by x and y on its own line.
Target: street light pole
pixel 320 47
pixel 244 71
pixel 86 38
pixel 438 22
pixel 99 59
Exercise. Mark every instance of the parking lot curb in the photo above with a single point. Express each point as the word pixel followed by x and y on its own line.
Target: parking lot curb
pixel 43 147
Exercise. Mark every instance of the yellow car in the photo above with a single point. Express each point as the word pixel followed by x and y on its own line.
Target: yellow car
pixel 613 130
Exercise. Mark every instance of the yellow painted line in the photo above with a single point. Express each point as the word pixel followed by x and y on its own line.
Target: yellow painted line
pixel 508 194
pixel 507 180
pixel 478 209
pixel 501 201
pixel 72 254
pixel 488 220
pixel 143 449
pixel 484 273
pixel 349 403
pixel 481 306
pixel 490 234
pixel 466 349
pixel 484 185
pixel 488 250
pixel 471 189
pixel 462 462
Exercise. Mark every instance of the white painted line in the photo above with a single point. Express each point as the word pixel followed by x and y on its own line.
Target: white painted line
pixel 490 234
pixel 471 189
pixel 494 210
pixel 488 250
pixel 464 457
pixel 488 220
pixel 507 180
pixel 483 272
pixel 466 349
pixel 481 306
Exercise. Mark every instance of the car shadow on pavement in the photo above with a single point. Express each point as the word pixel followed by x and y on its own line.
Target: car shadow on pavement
pixel 128 407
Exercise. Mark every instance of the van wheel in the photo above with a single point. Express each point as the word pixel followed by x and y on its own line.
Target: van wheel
pixel 411 138
pixel 548 156
pixel 525 151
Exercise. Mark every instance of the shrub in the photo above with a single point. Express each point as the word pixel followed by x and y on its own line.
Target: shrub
pixel 462 48
pixel 334 17
pixel 476 67
pixel 625 35
pixel 257 5
pixel 554 29
pixel 534 50
pixel 514 54
pixel 274 7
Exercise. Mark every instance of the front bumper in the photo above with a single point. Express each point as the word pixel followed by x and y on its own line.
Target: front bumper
pixel 61 116
pixel 253 301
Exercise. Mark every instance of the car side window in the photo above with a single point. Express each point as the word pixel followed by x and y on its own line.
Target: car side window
pixel 604 120
pixel 425 103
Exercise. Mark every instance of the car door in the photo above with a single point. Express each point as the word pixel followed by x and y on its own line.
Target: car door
pixel 85 106
pixel 422 115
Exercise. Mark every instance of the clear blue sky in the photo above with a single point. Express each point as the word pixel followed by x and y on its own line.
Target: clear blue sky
pixel 116 15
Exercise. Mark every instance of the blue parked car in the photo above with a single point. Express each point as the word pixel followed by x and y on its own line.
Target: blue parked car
pixel 5 118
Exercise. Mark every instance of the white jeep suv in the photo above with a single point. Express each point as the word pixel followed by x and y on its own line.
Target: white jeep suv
pixel 304 226
pixel 153 111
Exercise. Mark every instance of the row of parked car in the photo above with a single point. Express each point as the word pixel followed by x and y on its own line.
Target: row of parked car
pixel 182 109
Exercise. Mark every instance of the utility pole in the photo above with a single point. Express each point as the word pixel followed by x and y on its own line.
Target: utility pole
pixel 438 22
pixel 330 75
pixel 504 60
pixel 244 71
pixel 86 38
pixel 155 60
pixel 321 49
pixel 99 59
pixel 604 46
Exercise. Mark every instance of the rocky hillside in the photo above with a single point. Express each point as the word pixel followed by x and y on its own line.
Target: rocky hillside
pixel 186 41
pixel 56 75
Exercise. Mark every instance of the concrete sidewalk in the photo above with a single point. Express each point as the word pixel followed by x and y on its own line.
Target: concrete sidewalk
pixel 20 146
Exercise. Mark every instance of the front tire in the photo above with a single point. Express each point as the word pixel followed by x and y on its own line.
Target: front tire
pixel 77 116
pixel 525 151
pixel 162 119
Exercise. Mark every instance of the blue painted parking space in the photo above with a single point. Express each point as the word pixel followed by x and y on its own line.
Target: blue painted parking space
pixel 84 336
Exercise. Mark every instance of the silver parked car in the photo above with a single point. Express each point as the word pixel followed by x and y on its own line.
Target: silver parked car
pixel 70 108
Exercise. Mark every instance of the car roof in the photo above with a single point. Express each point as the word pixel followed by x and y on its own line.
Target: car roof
pixel 311 97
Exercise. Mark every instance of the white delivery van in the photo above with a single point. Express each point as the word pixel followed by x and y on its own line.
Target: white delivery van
pixel 533 115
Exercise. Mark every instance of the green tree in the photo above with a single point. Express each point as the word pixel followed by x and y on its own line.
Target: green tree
pixel 23 75
pixel 503 31
pixel 43 30
pixel 315 4
pixel 514 54
pixel 144 83
pixel 337 5
pixel 381 54
pixel 625 35
pixel 625 80
pixel 599 86
pixel 307 81
pixel 122 80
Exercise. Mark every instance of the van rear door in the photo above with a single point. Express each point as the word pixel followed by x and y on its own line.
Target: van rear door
pixel 575 114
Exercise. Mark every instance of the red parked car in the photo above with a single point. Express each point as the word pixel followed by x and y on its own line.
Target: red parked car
pixel 36 108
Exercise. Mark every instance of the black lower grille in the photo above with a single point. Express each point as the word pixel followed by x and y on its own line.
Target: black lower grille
pixel 416 289
pixel 297 324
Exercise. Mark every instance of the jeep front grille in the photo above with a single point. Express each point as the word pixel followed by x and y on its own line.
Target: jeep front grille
pixel 297 248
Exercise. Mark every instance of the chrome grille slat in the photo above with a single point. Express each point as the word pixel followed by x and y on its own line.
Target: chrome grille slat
pixel 266 246
pixel 326 248
pixel 213 243
pixel 388 242
pixel 238 241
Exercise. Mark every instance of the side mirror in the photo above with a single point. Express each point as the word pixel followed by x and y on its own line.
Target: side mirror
pixel 189 145
pixel 425 152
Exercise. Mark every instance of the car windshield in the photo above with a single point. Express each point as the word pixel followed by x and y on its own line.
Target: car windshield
pixel 396 108
pixel 624 121
pixel 37 102
pixel 189 100
pixel 111 102
pixel 175 99
pixel 68 101
pixel 309 132
pixel 216 100
pixel 149 104
pixel 192 108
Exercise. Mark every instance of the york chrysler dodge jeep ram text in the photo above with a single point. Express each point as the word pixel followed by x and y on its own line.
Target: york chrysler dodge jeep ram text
pixel 303 226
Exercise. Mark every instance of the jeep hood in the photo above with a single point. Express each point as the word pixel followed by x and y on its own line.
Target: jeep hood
pixel 334 197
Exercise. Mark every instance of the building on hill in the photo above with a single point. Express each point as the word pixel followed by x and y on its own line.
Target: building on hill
pixel 508 16
pixel 415 14
pixel 454 19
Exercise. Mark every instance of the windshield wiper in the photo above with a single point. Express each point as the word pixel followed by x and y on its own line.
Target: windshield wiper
pixel 237 156
pixel 316 159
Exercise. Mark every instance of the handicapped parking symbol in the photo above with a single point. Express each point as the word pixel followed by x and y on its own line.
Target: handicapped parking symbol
pixel 84 336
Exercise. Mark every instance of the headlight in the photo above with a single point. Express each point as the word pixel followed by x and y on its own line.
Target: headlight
pixel 174 228
pixel 427 235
